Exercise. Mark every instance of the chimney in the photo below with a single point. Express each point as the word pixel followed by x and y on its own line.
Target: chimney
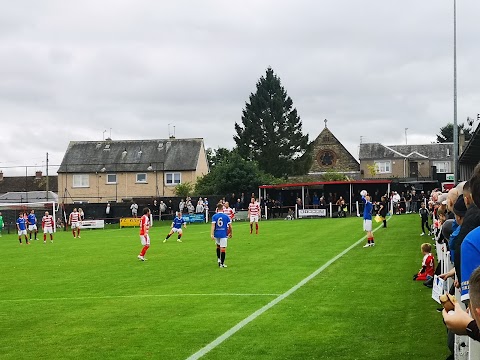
pixel 461 141
pixel 1 175
pixel 38 174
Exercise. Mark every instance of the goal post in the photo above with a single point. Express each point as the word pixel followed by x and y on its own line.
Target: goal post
pixel 10 211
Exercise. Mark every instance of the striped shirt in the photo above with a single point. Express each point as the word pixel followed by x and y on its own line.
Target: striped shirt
pixel 229 211
pixel 74 217
pixel 47 221
pixel 254 209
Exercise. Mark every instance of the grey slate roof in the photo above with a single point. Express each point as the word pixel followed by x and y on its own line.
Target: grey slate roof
pixel 161 154
pixel 377 151
pixel 28 183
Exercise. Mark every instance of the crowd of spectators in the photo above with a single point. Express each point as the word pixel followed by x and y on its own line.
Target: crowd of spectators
pixel 453 222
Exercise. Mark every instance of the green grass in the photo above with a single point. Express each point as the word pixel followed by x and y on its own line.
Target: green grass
pixel 90 298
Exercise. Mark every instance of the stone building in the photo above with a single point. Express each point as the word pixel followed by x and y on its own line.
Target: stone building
pixel 330 155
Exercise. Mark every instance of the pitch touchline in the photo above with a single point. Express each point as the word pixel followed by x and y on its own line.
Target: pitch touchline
pixel 272 303
pixel 132 296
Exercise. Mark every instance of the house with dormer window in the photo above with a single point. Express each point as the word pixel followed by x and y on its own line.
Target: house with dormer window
pixel 119 170
pixel 406 162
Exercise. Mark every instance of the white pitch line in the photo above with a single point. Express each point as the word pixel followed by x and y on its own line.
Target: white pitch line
pixel 272 303
pixel 131 296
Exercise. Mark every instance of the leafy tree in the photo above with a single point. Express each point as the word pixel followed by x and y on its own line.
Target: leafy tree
pixel 214 157
pixel 446 133
pixel 233 175
pixel 271 130
pixel 184 189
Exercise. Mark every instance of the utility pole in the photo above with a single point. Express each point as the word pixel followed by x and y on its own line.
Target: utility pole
pixel 46 170
pixel 406 143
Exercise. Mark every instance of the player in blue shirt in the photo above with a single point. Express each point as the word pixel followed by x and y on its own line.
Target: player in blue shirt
pixel 220 231
pixel 367 218
pixel 32 224
pixel 177 226
pixel 22 228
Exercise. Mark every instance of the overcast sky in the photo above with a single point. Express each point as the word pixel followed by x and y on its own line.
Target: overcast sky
pixel 71 69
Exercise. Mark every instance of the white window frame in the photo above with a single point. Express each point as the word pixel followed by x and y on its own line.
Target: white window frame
pixel 383 166
pixel 112 182
pixel 141 181
pixel 172 181
pixel 80 181
pixel 444 168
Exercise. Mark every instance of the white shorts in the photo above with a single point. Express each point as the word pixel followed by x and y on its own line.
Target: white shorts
pixel 22 232
pixel 367 225
pixel 175 230
pixel 32 227
pixel 222 242
pixel 75 225
pixel 253 218
pixel 145 240
pixel 48 230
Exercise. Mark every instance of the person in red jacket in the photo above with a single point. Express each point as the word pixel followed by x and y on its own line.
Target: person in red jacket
pixel 428 264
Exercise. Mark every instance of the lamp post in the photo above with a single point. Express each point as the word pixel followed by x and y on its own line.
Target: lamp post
pixel 455 128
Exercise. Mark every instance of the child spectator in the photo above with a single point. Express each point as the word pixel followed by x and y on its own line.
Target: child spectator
pixel 290 215
pixel 428 269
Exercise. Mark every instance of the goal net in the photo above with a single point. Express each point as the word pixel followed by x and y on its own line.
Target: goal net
pixel 10 211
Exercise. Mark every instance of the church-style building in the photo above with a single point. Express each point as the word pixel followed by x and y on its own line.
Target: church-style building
pixel 329 155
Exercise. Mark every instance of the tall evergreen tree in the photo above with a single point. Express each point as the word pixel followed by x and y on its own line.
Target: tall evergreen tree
pixel 446 133
pixel 271 130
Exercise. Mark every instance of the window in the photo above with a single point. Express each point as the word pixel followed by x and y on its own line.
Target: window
pixel 383 167
pixel 111 178
pixel 173 178
pixel 442 166
pixel 80 180
pixel 141 178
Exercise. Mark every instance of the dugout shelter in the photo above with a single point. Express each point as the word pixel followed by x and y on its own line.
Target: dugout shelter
pixel 286 194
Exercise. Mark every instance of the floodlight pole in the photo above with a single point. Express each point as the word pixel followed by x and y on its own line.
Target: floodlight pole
pixel 455 125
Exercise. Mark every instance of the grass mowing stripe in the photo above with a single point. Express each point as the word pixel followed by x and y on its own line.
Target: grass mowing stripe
pixel 130 297
pixel 272 303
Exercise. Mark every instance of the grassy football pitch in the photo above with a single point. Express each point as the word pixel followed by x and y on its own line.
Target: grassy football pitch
pixel 91 298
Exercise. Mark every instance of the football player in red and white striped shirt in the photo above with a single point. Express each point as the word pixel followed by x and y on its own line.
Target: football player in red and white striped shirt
pixel 74 222
pixel 144 238
pixel 228 210
pixel 47 227
pixel 253 214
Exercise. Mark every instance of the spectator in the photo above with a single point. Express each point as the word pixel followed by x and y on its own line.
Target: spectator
pixel 163 209
pixel 315 201
pixel 181 206
pixel 238 205
pixel 134 208
pixel 427 270
pixel 156 210
pixel 200 207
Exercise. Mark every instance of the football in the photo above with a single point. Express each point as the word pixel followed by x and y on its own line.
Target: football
pixel 363 192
